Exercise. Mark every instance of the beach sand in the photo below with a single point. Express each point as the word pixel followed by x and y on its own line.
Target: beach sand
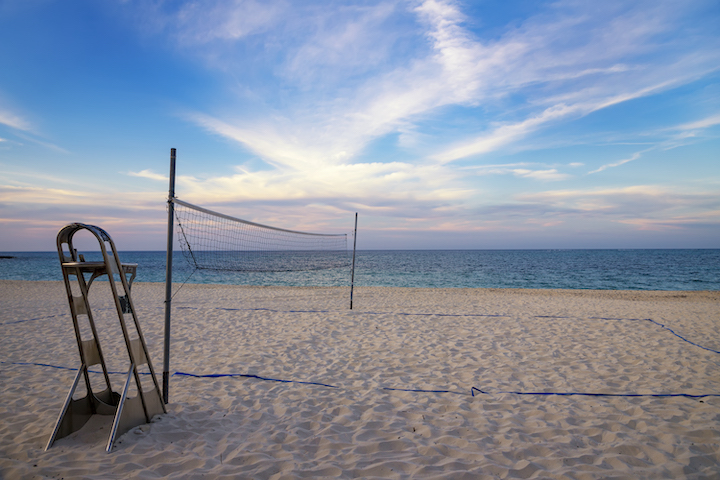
pixel 510 345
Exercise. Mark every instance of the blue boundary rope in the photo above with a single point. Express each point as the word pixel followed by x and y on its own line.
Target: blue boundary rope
pixel 60 367
pixel 680 337
pixel 35 319
pixel 246 375
pixel 472 392
pixel 468 315
pixel 472 389
pixel 589 394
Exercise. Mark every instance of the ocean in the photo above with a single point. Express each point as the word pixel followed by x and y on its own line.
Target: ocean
pixel 569 269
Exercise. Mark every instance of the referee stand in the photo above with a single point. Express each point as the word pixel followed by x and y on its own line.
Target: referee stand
pixel 78 275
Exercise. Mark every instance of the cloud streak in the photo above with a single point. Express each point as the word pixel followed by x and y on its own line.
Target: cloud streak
pixel 700 124
pixel 634 156
pixel 13 120
pixel 567 64
pixel 635 205
pixel 149 174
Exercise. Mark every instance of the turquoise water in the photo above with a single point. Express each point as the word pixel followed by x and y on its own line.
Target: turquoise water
pixel 571 269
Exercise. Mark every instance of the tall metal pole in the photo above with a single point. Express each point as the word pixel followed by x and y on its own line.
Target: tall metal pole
pixel 352 274
pixel 168 279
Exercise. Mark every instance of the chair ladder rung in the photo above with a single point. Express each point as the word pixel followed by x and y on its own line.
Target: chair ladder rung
pixel 79 304
pixel 91 352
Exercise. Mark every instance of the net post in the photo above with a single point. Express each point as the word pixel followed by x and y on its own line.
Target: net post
pixel 168 279
pixel 352 271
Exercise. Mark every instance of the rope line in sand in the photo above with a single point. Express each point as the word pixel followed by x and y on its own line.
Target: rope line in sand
pixel 246 375
pixel 473 389
pixel 421 390
pixel 35 319
pixel 472 392
pixel 640 320
pixel 469 315
pixel 61 367
pixel 680 337
pixel 588 394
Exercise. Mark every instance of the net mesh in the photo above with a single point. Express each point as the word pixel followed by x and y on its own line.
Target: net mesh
pixel 214 241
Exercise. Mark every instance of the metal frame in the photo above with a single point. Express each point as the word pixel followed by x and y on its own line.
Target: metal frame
pixel 128 412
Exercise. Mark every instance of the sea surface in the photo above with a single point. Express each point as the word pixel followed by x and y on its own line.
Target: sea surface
pixel 569 269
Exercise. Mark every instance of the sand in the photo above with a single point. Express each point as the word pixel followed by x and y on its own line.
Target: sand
pixel 357 420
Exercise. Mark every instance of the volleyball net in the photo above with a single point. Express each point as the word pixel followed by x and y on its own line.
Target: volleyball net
pixel 214 241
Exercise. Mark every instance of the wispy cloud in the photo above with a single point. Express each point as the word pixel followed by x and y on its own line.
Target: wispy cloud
pixel 634 156
pixel 564 64
pixel 149 174
pixel 44 143
pixel 14 120
pixel 346 41
pixel 394 183
pixel 567 63
pixel 703 123
pixel 195 24
pixel 550 174
pixel 24 129
pixel 639 204
pixel 26 195
pixel 506 134
pixel 524 170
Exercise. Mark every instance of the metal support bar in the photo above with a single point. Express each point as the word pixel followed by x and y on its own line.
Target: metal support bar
pixel 352 274
pixel 66 406
pixel 168 280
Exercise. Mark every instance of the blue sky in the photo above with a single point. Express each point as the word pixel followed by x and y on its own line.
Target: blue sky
pixel 445 124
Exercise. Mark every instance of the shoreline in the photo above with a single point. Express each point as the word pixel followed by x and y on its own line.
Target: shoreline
pixel 491 289
pixel 674 270
pixel 323 391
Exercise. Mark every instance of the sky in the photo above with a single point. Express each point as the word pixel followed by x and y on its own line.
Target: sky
pixel 445 124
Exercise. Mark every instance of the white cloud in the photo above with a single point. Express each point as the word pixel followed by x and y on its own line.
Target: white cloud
pixel 26 195
pixel 44 143
pixel 549 174
pixel 505 134
pixel 327 106
pixel 380 105
pixel 13 120
pixel 585 59
pixel 562 195
pixel 194 24
pixel 348 40
pixel 519 170
pixel 700 124
pixel 680 135
pixel 24 129
pixel 638 204
pixel 276 145
pixel 634 156
pixel 148 174
pixel 374 183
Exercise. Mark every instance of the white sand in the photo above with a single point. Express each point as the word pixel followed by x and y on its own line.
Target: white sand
pixel 543 341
